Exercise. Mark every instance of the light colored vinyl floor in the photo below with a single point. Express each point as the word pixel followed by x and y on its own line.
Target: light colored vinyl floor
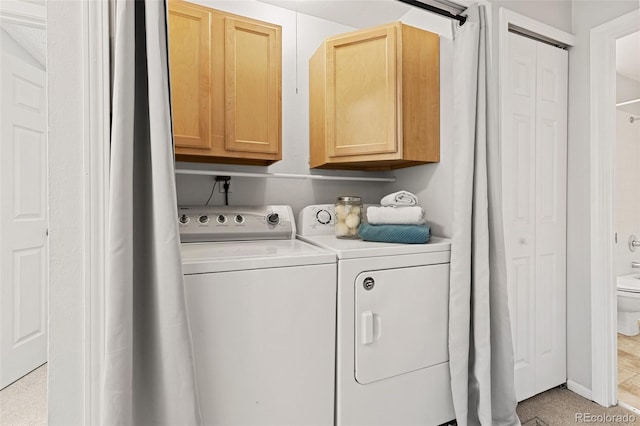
pixel 629 370
pixel 24 402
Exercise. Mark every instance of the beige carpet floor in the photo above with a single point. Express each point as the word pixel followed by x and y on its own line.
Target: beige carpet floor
pixel 560 406
pixel 24 402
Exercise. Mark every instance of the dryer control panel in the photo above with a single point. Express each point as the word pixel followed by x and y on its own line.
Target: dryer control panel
pixel 317 219
pixel 235 223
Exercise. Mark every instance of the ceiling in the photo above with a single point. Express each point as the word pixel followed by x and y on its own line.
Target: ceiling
pixel 354 13
pixel 628 56
pixel 363 13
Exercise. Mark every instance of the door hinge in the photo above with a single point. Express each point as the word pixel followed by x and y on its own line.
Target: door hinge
pixel 46 232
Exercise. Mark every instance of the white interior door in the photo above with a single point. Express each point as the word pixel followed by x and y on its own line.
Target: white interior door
pixel 23 219
pixel 519 205
pixel 534 150
pixel 551 216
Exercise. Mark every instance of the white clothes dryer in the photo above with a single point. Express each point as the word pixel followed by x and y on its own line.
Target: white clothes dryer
pixel 261 308
pixel 392 327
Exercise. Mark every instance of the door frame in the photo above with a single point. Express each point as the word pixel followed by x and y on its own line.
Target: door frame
pixel 603 132
pixel 79 169
pixel 97 119
pixel 530 27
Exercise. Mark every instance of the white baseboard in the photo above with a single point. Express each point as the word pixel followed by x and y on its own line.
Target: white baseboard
pixel 579 389
pixel 628 407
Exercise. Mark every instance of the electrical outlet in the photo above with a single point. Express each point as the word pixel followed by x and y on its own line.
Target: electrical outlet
pixel 221 187
pixel 222 180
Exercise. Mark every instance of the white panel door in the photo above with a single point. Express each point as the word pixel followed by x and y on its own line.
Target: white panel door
pixel 534 150
pixel 23 219
pixel 551 216
pixel 519 151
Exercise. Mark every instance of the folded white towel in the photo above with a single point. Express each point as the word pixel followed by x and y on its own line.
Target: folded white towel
pixel 411 215
pixel 400 198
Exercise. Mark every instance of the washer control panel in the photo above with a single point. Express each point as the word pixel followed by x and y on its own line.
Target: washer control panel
pixel 235 223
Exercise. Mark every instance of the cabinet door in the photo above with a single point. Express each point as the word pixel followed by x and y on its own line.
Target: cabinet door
pixel 253 79
pixel 190 66
pixel 362 109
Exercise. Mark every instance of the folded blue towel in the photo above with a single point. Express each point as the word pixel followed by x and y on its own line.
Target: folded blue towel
pixel 405 234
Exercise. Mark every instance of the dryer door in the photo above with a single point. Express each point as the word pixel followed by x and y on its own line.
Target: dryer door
pixel 401 321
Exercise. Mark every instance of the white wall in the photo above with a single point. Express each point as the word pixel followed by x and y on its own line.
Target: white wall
pixel 627 191
pixel 585 16
pixel 556 13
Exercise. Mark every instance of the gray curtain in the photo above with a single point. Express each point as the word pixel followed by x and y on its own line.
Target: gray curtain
pixel 480 342
pixel 148 366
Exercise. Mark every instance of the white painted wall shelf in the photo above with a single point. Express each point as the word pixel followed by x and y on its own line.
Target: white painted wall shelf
pixel 632 106
pixel 632 101
pixel 283 175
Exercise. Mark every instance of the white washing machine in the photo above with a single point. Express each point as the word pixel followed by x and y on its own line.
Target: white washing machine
pixel 392 327
pixel 261 308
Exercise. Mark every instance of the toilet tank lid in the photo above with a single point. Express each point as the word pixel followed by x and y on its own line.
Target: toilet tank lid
pixel 629 282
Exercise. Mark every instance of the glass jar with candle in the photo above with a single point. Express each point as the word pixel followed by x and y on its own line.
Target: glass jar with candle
pixel 348 216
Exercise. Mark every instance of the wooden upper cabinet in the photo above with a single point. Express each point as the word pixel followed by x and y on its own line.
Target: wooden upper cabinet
pixel 375 99
pixel 241 86
pixel 190 53
pixel 252 86
pixel 361 89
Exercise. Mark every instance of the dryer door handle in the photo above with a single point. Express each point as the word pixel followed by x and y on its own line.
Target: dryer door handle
pixel 366 327
pixel 370 327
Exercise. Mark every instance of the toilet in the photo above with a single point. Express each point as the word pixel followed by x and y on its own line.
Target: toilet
pixel 628 291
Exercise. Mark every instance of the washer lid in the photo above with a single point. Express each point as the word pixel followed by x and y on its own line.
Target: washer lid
pixel 202 258
pixel 630 283
pixel 354 249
